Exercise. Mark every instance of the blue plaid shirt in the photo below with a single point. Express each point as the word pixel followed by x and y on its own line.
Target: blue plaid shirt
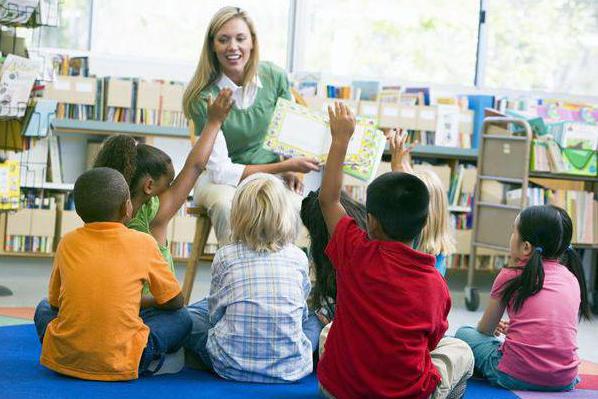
pixel 257 305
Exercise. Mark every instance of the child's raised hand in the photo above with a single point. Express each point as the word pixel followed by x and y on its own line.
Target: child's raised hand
pixel 219 108
pixel 342 122
pixel 400 159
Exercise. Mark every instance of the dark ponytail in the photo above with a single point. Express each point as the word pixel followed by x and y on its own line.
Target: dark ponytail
pixel 549 230
pixel 133 160
pixel 571 260
pixel 312 218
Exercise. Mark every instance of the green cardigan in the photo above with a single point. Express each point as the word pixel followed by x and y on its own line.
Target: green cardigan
pixel 245 129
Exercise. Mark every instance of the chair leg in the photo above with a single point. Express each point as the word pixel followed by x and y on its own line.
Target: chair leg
pixel 202 230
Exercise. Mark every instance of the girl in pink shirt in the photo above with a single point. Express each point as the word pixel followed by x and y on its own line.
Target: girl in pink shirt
pixel 544 296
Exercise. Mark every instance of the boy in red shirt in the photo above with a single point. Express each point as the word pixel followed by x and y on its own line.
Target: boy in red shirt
pixel 386 340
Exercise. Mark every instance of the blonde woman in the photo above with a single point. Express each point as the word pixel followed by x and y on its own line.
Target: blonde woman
pixel 436 237
pixel 252 325
pixel 230 59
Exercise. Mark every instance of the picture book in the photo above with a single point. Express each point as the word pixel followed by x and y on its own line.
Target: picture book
pixel 296 131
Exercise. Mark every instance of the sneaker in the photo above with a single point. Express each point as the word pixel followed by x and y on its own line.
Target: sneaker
pixel 458 390
pixel 172 364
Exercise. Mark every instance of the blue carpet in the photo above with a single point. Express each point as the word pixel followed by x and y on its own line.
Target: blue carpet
pixel 21 376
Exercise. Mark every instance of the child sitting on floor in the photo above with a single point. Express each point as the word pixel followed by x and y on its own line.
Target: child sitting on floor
pixel 251 327
pixel 155 194
pixel 391 305
pixel 90 326
pixel 543 294
pixel 436 237
pixel 323 294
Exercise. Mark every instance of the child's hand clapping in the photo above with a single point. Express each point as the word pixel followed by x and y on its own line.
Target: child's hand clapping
pixel 218 109
pixel 400 160
pixel 342 122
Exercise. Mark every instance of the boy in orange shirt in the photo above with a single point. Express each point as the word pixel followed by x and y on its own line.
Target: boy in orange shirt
pixel 90 325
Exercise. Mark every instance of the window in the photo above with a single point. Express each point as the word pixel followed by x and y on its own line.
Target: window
pixel 533 45
pixel 175 29
pixel 73 31
pixel 426 41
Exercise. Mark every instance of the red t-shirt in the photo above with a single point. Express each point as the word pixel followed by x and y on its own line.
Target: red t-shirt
pixel 391 312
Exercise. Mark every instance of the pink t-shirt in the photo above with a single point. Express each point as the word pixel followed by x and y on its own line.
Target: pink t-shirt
pixel 541 346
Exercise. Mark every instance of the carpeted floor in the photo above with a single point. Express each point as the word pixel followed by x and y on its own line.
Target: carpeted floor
pixel 21 376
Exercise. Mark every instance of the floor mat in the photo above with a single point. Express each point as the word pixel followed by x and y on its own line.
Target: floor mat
pixel 21 376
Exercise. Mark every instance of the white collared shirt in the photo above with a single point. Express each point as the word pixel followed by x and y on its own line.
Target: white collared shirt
pixel 221 169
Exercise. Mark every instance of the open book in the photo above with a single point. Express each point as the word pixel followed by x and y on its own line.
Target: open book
pixel 296 131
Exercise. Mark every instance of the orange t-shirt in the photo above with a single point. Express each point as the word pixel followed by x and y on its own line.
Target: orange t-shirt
pixel 96 283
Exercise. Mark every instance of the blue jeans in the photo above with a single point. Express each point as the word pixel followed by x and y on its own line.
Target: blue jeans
pixel 487 357
pixel 168 330
pixel 198 339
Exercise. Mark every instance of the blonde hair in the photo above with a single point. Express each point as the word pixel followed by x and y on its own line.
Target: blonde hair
pixel 262 214
pixel 208 68
pixel 436 237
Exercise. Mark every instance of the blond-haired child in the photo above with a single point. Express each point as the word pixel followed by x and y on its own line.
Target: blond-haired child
pixel 251 326
pixel 436 238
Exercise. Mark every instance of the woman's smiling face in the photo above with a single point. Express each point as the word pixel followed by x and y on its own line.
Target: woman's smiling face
pixel 233 45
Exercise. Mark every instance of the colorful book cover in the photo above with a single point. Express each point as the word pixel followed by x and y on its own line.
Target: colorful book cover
pixel 10 190
pixel 296 131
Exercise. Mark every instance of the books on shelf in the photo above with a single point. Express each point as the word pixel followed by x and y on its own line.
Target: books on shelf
pixel 119 100
pixel 462 186
pixel 17 76
pixel 32 228
pixel 286 136
pixel 583 211
pixel 10 191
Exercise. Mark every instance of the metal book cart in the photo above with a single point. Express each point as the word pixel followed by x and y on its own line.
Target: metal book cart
pixel 504 158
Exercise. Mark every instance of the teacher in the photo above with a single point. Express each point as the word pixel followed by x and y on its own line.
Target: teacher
pixel 230 59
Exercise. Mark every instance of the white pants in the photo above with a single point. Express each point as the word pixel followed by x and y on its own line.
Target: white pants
pixel 452 358
pixel 217 199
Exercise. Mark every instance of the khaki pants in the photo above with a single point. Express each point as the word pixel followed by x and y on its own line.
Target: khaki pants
pixel 452 358
pixel 218 198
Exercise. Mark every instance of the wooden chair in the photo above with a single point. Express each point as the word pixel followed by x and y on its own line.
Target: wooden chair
pixel 203 225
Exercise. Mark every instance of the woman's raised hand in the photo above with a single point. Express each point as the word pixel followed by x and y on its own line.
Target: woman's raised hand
pixel 219 108
pixel 301 165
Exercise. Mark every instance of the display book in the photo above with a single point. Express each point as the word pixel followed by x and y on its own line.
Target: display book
pixel 296 131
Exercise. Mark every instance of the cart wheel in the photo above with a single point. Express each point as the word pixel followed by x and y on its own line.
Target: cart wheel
pixel 595 304
pixel 5 291
pixel 472 299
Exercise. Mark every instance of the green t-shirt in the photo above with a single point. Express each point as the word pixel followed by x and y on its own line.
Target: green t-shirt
pixel 245 129
pixel 141 222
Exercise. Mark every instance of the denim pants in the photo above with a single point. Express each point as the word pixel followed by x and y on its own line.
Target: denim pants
pixel 197 340
pixel 487 357
pixel 168 330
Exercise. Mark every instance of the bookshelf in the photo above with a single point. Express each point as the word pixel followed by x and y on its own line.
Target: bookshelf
pixel 105 128
pixel 562 176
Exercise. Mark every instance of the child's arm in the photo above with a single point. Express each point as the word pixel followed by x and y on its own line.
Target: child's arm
pixel 400 160
pixel 174 304
pixel 491 318
pixel 342 125
pixel 173 198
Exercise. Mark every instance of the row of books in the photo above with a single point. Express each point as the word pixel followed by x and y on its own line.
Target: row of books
pixel 118 100
pixel 131 100
pixel 32 244
pixel 442 124
pixel 32 228
pixel 484 262
pixel 462 186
